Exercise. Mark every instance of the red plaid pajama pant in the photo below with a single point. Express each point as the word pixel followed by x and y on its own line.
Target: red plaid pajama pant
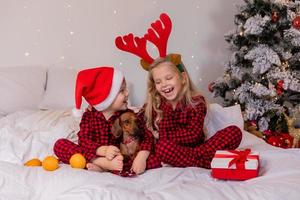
pixel 180 156
pixel 64 149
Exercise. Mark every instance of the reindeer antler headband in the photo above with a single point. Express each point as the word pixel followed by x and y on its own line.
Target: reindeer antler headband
pixel 158 34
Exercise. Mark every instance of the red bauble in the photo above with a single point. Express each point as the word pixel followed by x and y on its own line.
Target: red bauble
pixel 275 17
pixel 279 87
pixel 296 22
pixel 210 86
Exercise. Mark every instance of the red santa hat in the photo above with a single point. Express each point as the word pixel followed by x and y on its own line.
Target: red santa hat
pixel 98 86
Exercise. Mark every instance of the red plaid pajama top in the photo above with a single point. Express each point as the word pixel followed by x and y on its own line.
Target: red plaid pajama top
pixel 95 131
pixel 181 140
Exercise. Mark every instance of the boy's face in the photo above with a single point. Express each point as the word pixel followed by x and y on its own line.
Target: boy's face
pixel 120 102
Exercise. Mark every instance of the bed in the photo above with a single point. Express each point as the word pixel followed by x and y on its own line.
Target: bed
pixel 29 131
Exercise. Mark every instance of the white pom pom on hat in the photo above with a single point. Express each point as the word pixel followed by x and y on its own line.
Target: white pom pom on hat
pixel 98 86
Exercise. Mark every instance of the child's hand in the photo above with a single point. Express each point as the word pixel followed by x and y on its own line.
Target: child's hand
pixel 139 162
pixel 111 152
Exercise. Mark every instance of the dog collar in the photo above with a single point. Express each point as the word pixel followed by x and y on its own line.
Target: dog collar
pixel 128 140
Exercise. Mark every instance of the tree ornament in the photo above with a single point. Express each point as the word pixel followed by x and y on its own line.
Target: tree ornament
pixel 294 132
pixel 210 86
pixel 279 87
pixel 296 22
pixel 275 16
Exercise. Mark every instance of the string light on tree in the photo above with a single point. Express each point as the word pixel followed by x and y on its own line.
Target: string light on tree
pixel 285 65
pixel 245 14
pixel 242 32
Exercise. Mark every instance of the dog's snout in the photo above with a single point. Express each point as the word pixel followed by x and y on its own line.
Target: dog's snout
pixel 129 124
pixel 136 132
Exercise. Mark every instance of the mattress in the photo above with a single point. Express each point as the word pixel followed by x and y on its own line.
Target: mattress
pixel 28 134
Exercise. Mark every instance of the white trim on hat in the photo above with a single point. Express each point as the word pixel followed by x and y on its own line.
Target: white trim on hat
pixel 115 88
pixel 77 112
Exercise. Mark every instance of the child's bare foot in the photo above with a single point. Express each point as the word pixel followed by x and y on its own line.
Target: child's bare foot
pixel 116 164
pixel 94 167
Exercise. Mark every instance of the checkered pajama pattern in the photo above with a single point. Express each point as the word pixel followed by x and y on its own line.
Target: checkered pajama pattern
pixel 181 156
pixel 181 138
pixel 95 131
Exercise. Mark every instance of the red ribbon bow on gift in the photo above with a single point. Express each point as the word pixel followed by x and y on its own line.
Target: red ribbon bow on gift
pixel 239 157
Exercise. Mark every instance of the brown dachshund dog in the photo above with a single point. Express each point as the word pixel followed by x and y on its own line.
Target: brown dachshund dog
pixel 126 129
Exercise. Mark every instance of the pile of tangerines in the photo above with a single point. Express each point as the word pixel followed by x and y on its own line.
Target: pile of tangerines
pixel 51 163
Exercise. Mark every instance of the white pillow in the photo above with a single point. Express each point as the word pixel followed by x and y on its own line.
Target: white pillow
pixel 219 117
pixel 60 89
pixel 21 87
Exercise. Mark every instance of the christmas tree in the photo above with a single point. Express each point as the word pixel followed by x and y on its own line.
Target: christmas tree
pixel 263 73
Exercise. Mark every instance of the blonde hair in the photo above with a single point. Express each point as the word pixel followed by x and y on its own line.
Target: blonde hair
pixel 154 99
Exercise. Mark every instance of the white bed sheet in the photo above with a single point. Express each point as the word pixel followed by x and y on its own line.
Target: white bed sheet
pixel 28 134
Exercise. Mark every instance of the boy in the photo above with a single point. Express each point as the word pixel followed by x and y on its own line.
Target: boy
pixel 104 88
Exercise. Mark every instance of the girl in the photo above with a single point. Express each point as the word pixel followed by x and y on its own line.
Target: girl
pixel 104 88
pixel 175 113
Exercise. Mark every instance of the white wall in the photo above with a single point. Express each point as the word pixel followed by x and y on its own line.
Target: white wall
pixel 81 33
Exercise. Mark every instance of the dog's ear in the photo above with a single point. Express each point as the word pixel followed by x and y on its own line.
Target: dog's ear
pixel 116 129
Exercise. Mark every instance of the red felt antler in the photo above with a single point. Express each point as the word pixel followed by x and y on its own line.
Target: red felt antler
pixel 134 45
pixel 158 35
pixel 160 38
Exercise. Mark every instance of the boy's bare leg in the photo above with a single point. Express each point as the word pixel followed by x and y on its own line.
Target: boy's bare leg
pixel 115 164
